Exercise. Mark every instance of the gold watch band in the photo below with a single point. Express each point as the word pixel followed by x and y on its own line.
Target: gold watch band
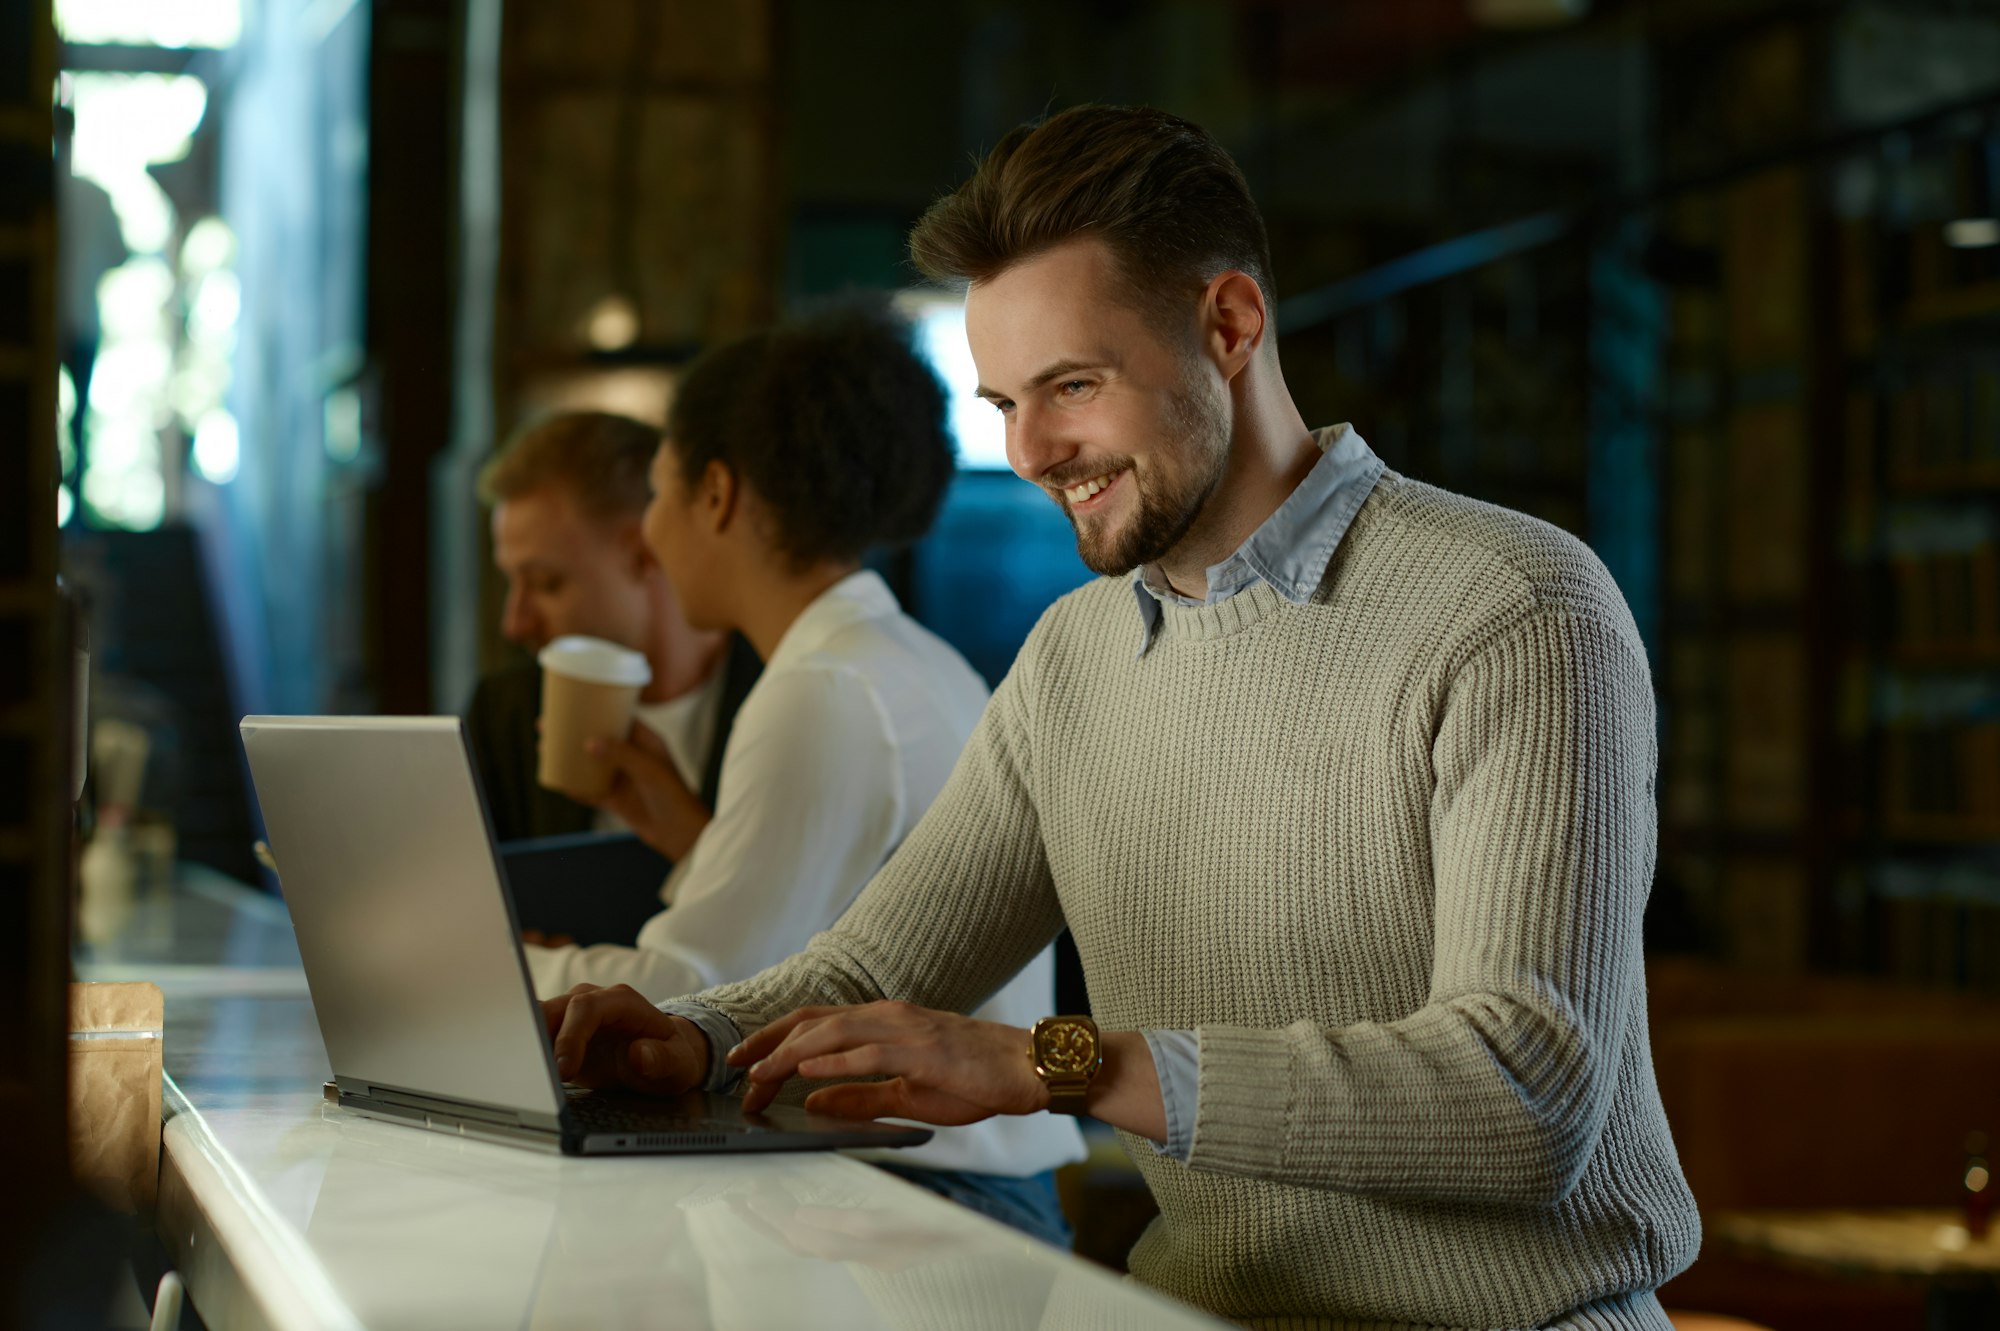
pixel 1072 1100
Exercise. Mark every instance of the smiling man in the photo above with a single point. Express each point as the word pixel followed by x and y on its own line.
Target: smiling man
pixel 1344 785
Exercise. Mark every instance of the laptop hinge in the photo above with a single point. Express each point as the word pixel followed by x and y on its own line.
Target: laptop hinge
pixel 457 1109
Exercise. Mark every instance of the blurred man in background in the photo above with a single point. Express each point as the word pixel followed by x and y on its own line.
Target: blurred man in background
pixel 566 496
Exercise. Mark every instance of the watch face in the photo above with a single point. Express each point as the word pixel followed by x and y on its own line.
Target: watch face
pixel 1068 1046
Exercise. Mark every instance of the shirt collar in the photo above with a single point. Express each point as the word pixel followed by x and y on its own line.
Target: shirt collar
pixel 859 596
pixel 1290 549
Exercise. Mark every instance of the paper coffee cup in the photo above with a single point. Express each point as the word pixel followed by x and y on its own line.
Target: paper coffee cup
pixel 590 689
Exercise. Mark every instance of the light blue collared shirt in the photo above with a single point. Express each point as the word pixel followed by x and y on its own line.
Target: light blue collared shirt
pixel 1291 549
pixel 1290 552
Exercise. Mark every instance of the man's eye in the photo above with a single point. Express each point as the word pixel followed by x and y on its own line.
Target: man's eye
pixel 1075 387
pixel 1004 406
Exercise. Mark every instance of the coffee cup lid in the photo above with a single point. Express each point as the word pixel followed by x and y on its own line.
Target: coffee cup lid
pixel 595 660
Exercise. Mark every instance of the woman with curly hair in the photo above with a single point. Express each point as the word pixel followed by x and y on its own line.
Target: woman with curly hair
pixel 788 456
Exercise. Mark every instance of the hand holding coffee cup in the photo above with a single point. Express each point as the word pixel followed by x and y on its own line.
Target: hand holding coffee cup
pixel 648 794
pixel 590 690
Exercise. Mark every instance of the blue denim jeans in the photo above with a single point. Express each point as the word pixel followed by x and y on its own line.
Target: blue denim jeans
pixel 1028 1204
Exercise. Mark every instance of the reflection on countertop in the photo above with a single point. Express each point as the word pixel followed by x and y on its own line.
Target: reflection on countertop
pixel 291 1212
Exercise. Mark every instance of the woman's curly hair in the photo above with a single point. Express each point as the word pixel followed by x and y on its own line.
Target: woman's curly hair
pixel 833 420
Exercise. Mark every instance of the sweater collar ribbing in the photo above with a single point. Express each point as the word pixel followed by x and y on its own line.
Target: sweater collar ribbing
pixel 1289 552
pixel 1192 622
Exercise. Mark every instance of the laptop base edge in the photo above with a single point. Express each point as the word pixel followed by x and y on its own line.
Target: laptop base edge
pixel 444 1124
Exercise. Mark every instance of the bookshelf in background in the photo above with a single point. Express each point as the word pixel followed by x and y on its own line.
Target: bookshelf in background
pixel 1742 652
pixel 1830 654
pixel 1739 662
pixel 1925 440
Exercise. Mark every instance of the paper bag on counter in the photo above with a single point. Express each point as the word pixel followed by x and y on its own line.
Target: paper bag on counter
pixel 115 1044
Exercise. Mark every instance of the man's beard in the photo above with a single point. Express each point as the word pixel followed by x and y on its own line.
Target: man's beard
pixel 1197 434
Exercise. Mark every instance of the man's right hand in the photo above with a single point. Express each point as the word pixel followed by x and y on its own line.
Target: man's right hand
pixel 614 1037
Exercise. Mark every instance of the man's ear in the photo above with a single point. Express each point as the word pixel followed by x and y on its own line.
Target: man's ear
pixel 639 560
pixel 720 497
pixel 1233 320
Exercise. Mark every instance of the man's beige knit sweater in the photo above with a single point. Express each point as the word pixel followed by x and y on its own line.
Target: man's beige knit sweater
pixel 1387 853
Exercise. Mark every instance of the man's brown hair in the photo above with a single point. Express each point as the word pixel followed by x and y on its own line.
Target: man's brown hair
pixel 1168 201
pixel 601 459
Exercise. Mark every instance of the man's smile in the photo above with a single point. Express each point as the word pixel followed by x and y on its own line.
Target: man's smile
pixel 1088 496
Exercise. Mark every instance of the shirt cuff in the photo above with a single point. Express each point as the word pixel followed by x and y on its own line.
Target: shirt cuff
pixel 722 1037
pixel 1177 1060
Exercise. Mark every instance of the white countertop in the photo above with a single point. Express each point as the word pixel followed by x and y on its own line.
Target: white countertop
pixel 284 1211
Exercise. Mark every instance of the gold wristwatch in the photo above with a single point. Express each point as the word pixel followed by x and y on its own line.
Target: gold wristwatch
pixel 1067 1055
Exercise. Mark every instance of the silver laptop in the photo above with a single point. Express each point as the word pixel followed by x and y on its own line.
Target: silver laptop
pixel 414 960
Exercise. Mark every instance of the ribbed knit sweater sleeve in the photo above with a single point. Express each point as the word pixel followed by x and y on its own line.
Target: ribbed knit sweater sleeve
pixel 962 905
pixel 1497 1089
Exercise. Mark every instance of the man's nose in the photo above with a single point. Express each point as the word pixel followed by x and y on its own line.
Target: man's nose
pixel 1034 445
pixel 518 621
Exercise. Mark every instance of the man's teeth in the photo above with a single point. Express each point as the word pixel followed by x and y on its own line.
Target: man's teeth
pixel 1078 493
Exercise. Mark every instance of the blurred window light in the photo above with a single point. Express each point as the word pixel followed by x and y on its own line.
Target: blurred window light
pixel 208 245
pixel 145 215
pixel 979 430
pixel 65 506
pixel 201 374
pixel 197 387
pixel 122 485
pixel 124 120
pixel 136 501
pixel 116 448
pixel 132 301
pixel 65 420
pixel 217 448
pixel 174 23
pixel 129 379
pixel 217 303
pixel 1972 233
pixel 125 123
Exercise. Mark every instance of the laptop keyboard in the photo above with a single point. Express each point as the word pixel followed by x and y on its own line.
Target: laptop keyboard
pixel 598 1111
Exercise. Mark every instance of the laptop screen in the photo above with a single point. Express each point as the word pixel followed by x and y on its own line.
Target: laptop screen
pixel 409 945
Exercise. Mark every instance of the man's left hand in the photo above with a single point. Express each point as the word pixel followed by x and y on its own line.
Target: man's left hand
pixel 941 1068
